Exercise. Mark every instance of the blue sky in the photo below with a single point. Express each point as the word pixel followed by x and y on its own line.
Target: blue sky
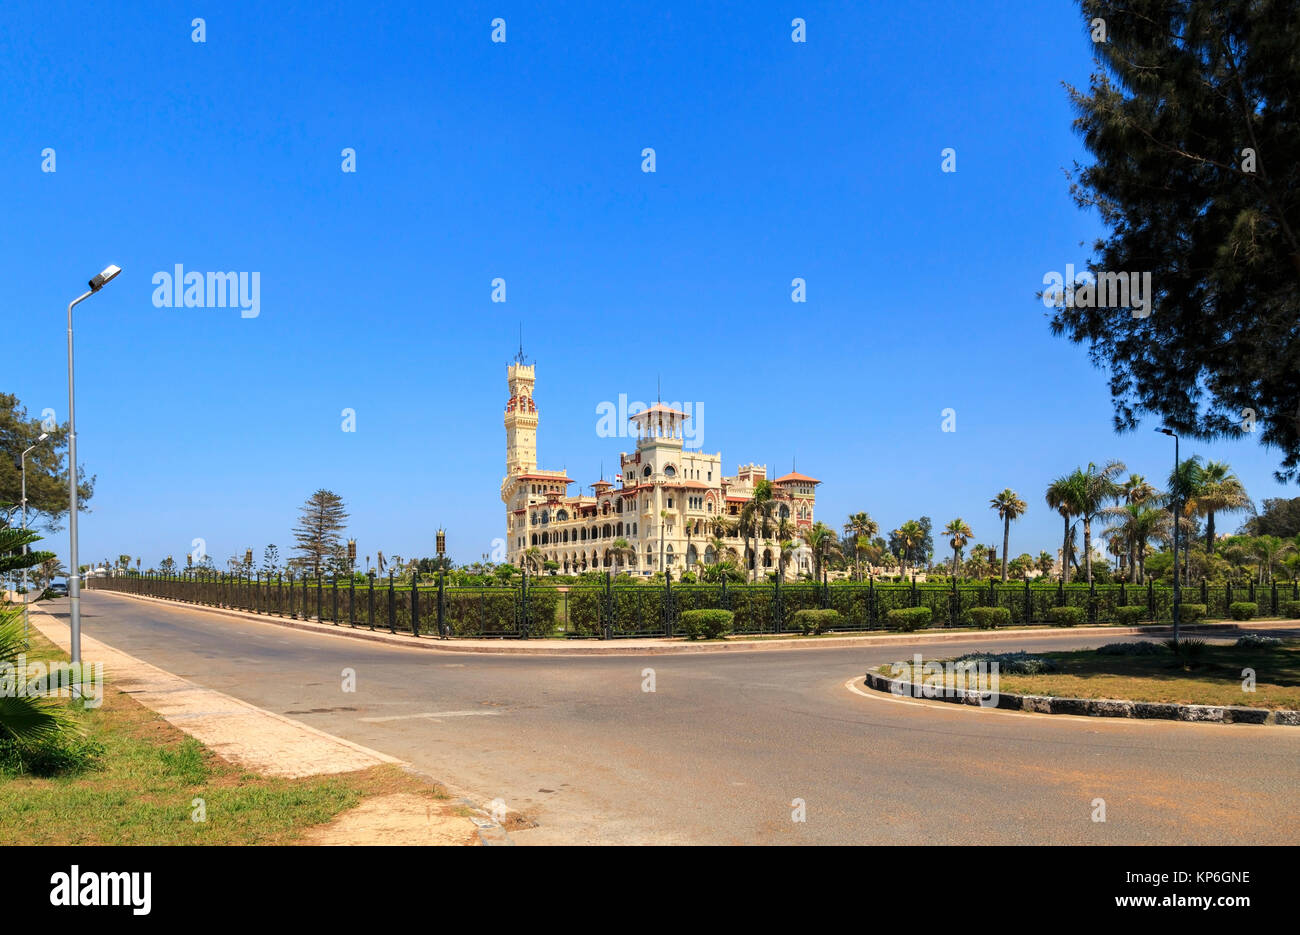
pixel 522 160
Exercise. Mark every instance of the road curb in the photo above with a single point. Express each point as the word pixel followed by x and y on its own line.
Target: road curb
pixel 1086 707
pixel 673 647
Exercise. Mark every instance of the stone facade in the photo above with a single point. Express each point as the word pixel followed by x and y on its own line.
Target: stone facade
pixel 667 502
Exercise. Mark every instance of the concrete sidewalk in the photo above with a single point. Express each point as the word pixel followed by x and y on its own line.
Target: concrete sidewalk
pixel 244 734
pixel 646 646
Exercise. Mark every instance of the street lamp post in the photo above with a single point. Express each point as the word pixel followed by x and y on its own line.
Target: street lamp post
pixel 1178 594
pixel 23 461
pixel 74 570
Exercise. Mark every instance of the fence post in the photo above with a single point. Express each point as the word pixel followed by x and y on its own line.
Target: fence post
pixel 1029 603
pixel 352 600
pixel 779 611
pixel 607 631
pixel 1252 590
pixel 1092 602
pixel 1274 598
pixel 392 604
pixel 667 620
pixel 442 607
pixel 523 606
pixel 913 589
pixel 415 603
pixel 293 607
pixel 1205 594
pixel 319 598
pixel 871 600
pixel 334 598
pixel 1151 598
pixel 370 599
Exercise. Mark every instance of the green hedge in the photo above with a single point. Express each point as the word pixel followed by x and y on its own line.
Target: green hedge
pixel 1242 610
pixel 709 624
pixel 1067 616
pixel 1290 609
pixel 1130 615
pixel 815 621
pixel 909 618
pixel 988 618
pixel 1190 613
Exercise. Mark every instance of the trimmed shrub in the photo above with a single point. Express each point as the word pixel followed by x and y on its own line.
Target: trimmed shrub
pixel 909 618
pixel 1190 613
pixel 1129 649
pixel 1130 616
pixel 1067 616
pixel 1242 610
pixel 1256 641
pixel 815 621
pixel 1290 609
pixel 989 618
pixel 709 624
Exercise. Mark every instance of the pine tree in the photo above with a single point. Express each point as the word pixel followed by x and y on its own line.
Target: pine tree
pixel 1191 118
pixel 318 535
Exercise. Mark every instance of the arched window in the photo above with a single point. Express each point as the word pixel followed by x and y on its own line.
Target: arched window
pixel 561 516
pixel 670 471
pixel 646 472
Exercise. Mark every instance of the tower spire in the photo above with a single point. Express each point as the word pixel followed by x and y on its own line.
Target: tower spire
pixel 519 358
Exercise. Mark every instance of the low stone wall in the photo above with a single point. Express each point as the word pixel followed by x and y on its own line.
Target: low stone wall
pixel 1089 707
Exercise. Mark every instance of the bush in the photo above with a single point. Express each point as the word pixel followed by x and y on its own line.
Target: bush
pixel 1130 616
pixel 1290 609
pixel 1189 649
pixel 1255 641
pixel 908 618
pixel 814 621
pixel 709 624
pixel 1011 663
pixel 1129 649
pixel 1242 610
pixel 989 618
pixel 1067 616
pixel 1190 613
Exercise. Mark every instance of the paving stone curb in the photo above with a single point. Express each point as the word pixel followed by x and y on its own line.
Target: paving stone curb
pixel 1091 707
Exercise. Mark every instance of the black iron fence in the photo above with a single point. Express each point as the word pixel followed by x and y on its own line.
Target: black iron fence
pixel 612 609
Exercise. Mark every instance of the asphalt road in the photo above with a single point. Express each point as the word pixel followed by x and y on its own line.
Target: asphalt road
pixel 727 742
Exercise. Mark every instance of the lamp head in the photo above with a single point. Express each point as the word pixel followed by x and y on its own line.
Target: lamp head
pixel 107 276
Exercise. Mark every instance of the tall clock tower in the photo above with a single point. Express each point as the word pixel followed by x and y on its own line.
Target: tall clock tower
pixel 521 420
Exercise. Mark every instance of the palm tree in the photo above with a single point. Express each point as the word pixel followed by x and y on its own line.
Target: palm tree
pixel 958 534
pixel 620 551
pixel 1137 490
pixel 533 559
pixel 861 527
pixel 1186 484
pixel 788 550
pixel 910 535
pixel 823 542
pixel 1044 563
pixel 1269 549
pixel 1095 486
pixel 1221 492
pixel 1140 523
pixel 754 517
pixel 1008 506
pixel 1062 497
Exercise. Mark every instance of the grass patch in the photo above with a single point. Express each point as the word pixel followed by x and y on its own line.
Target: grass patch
pixel 142 786
pixel 1211 675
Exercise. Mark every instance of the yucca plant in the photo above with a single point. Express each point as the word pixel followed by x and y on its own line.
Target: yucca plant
pixel 24 720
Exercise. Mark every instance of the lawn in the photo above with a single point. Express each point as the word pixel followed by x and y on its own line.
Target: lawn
pixel 143 786
pixel 1212 677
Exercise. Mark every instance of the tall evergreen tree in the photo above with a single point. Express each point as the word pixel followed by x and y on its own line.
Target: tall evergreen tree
pixel 318 535
pixel 1191 119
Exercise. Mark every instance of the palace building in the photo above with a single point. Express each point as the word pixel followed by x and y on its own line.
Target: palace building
pixel 670 504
